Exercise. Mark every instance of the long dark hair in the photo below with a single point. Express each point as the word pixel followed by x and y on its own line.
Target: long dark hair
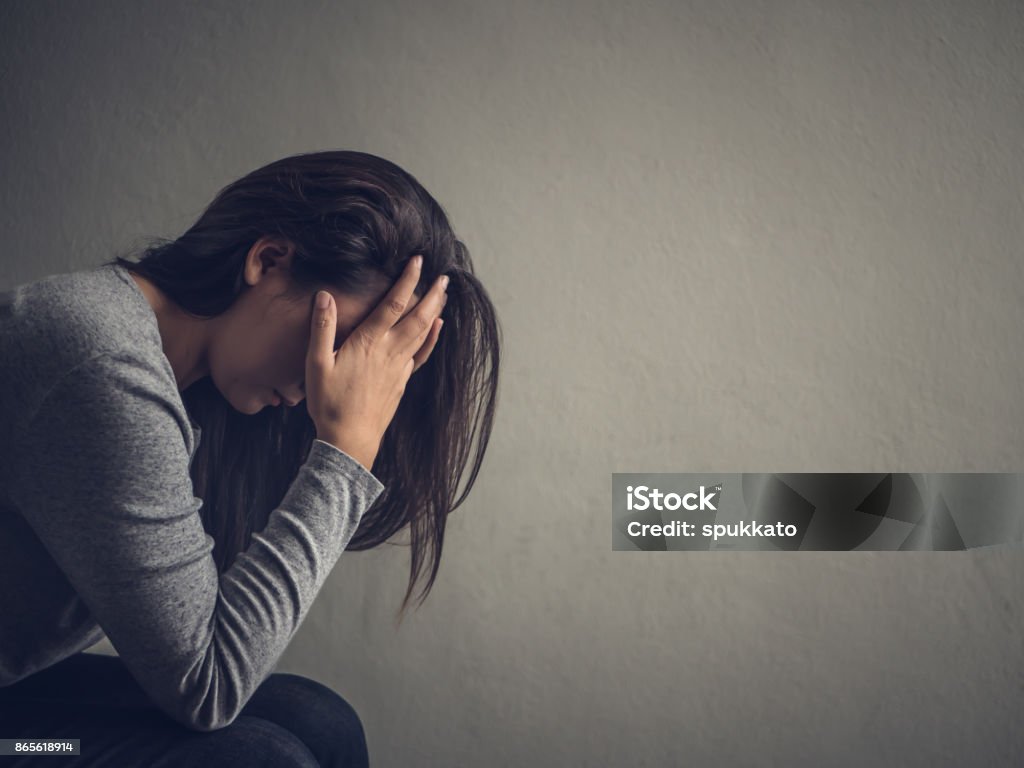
pixel 354 220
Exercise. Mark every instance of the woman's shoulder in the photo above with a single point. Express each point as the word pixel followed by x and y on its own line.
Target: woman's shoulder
pixel 54 325
pixel 75 315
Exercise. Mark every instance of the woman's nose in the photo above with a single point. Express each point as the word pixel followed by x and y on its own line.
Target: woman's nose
pixel 293 397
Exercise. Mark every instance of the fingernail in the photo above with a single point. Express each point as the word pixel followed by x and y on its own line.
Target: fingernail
pixel 323 298
pixel 417 261
pixel 444 281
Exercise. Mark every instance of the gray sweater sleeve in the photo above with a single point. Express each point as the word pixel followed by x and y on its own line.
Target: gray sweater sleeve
pixel 103 479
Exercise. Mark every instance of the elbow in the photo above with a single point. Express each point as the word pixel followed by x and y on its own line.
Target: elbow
pixel 204 719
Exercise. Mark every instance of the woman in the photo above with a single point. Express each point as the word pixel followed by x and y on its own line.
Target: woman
pixel 193 440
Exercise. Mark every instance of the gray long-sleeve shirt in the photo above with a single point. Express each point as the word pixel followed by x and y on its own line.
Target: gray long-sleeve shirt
pixel 99 526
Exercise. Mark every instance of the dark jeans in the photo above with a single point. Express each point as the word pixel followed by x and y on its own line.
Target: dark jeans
pixel 289 721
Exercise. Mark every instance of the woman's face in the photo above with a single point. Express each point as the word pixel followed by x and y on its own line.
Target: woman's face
pixel 261 341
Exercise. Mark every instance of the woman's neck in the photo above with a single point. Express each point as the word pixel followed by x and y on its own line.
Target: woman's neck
pixel 185 338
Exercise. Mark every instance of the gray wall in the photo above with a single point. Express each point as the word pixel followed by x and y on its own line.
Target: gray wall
pixel 733 236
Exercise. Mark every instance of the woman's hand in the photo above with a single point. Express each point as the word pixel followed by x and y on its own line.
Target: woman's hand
pixel 352 394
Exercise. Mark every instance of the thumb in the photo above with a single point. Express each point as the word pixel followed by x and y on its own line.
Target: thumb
pixel 324 326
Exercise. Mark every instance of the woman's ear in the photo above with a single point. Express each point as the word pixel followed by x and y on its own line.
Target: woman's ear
pixel 266 254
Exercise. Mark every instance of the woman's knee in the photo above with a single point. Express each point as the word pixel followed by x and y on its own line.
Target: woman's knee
pixel 327 723
pixel 247 741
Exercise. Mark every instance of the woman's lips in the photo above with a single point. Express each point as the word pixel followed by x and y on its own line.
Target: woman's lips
pixel 279 398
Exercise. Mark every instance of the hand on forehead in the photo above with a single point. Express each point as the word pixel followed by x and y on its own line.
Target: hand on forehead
pixel 352 310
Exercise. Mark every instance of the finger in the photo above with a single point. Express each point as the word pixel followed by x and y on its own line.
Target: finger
pixel 322 331
pixel 409 334
pixel 428 346
pixel 391 308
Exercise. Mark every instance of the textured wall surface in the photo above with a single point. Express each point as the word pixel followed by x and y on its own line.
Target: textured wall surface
pixel 737 236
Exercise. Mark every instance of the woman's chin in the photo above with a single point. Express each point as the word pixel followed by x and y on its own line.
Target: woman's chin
pixel 250 406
